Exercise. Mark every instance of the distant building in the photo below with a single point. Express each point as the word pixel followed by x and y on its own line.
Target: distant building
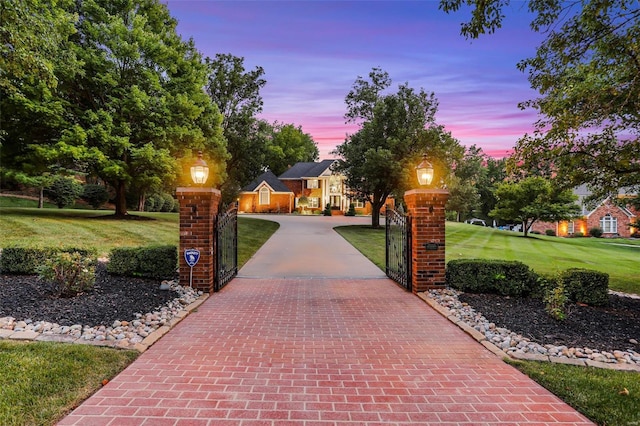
pixel 613 218
pixel 313 180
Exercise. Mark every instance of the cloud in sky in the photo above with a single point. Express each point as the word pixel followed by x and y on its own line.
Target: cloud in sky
pixel 312 52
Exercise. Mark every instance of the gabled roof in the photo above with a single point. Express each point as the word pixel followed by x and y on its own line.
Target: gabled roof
pixel 624 210
pixel 307 170
pixel 270 179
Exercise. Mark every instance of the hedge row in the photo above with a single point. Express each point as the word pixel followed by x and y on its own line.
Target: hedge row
pixel 23 260
pixel 513 278
pixel 158 262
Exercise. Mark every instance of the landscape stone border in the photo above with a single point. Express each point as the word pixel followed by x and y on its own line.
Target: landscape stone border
pixel 481 338
pixel 146 343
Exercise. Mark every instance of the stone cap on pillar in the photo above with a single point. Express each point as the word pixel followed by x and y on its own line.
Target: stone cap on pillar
pixel 426 191
pixel 196 189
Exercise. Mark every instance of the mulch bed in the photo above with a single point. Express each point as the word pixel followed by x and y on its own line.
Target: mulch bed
pixel 112 298
pixel 609 328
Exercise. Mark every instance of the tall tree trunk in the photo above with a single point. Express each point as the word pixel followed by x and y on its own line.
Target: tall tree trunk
pixel 141 201
pixel 121 199
pixel 375 213
pixel 41 198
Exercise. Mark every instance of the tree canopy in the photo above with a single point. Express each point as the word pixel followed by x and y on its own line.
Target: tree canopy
pixel 395 130
pixel 533 198
pixel 126 100
pixel 289 145
pixel 586 72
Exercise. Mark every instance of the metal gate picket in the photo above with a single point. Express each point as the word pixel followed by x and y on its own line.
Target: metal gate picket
pixel 226 246
pixel 398 247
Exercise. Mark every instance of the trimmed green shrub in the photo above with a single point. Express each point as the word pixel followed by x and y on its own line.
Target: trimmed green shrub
pixel 69 274
pixel 577 235
pixel 550 233
pixel 595 232
pixel 95 195
pixel 158 262
pixel 327 210
pixel 586 286
pixel 64 191
pixel 508 278
pixel 27 260
pixel 351 211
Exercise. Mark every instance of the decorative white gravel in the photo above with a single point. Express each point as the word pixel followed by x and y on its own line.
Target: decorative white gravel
pixel 513 343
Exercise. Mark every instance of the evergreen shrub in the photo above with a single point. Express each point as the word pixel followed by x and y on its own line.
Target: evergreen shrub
pixel 508 278
pixel 95 195
pixel 27 260
pixel 586 286
pixel 550 233
pixel 157 262
pixel 595 232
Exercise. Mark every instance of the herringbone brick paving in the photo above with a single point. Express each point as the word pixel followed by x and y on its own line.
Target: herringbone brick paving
pixel 319 352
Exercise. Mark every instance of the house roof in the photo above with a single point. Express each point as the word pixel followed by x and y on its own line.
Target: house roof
pixel 624 210
pixel 307 170
pixel 270 179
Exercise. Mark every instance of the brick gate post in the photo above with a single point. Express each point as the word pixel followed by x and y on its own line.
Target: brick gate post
pixel 426 208
pixel 198 211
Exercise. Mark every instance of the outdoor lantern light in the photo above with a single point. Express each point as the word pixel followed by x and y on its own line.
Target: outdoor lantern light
pixel 199 170
pixel 424 171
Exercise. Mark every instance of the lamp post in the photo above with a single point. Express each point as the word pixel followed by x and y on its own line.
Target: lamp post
pixel 426 208
pixel 198 210
pixel 199 170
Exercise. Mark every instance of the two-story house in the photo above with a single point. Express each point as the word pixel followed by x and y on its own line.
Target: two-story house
pixel 313 180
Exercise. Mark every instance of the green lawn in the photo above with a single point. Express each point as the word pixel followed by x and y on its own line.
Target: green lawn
pixel 545 255
pixel 30 227
pixel 597 393
pixel 41 382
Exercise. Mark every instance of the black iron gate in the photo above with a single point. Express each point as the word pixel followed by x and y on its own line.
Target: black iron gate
pixel 226 246
pixel 398 247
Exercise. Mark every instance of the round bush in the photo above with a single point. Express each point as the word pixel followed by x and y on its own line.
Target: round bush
pixel 95 195
pixel 595 232
pixel 168 202
pixel 550 232
pixel 64 191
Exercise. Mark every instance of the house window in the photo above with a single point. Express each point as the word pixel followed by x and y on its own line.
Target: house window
pixel 312 184
pixel 265 196
pixel 571 226
pixel 358 204
pixel 609 224
pixel 313 202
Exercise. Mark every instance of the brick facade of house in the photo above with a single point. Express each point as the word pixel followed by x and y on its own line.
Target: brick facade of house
pixel 612 219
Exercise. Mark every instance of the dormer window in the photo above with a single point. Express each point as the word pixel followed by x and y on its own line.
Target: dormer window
pixel 312 184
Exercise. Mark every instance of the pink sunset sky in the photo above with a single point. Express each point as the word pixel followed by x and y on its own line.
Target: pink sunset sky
pixel 312 52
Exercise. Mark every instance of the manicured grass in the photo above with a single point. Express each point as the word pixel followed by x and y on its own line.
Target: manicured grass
pixel 22 202
pixel 41 382
pixel 545 255
pixel 597 393
pixel 29 227
pixel 252 234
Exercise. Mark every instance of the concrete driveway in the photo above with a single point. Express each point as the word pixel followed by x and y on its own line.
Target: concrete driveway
pixel 308 247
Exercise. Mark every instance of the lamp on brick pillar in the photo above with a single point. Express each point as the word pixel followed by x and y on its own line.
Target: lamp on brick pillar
pixel 426 208
pixel 198 210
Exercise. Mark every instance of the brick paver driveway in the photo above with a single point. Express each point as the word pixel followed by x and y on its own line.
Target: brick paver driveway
pixel 316 350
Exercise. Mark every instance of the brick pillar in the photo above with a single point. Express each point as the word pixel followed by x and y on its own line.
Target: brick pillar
pixel 426 208
pixel 198 210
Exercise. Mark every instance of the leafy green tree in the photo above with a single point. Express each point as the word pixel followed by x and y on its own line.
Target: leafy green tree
pixel 287 146
pixel 138 97
pixel 534 198
pixel 95 195
pixel 586 72
pixel 64 191
pixel 33 58
pixel 395 130
pixel 236 92
pixel 463 198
